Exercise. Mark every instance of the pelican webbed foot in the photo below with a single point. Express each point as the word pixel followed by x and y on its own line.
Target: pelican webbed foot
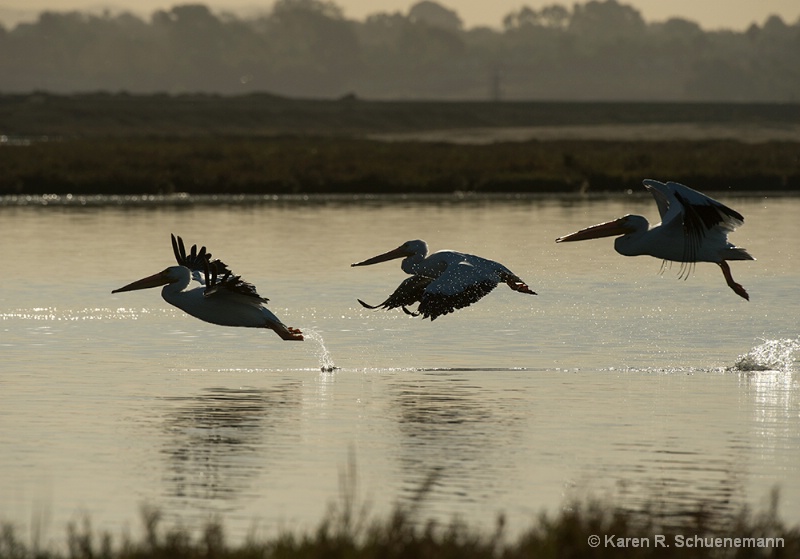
pixel 289 334
pixel 737 288
pixel 517 284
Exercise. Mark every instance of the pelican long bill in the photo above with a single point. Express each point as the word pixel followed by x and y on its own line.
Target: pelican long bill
pixel 399 252
pixel 607 229
pixel 155 280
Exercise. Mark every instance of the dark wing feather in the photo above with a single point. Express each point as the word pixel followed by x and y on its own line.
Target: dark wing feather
pixel 409 292
pixel 195 260
pixel 699 218
pixel 218 277
pixel 435 304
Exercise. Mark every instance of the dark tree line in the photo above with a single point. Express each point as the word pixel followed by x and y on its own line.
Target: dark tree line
pixel 593 51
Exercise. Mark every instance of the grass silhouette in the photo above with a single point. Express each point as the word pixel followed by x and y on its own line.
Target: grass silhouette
pixel 348 531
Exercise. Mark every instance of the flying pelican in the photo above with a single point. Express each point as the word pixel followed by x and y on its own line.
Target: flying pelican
pixel 694 228
pixel 222 298
pixel 442 282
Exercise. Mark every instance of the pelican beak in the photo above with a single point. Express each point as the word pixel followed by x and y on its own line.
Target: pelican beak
pixel 145 283
pixel 399 252
pixel 608 229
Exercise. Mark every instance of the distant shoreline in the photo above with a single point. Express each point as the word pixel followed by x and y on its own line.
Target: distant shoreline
pixel 117 144
pixel 298 165
pixel 184 200
pixel 264 114
pixel 748 133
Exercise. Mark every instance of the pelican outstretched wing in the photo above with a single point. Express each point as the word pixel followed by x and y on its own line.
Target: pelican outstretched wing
pixel 693 211
pixel 409 292
pixel 662 195
pixel 195 260
pixel 459 286
pixel 435 304
pixel 213 274
pixel 219 279
pixel 692 206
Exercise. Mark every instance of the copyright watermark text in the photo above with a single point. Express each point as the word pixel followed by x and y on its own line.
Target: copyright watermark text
pixel 695 540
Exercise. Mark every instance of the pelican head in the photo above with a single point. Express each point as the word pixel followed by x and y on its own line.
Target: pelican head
pixel 170 275
pixel 416 248
pixel 623 226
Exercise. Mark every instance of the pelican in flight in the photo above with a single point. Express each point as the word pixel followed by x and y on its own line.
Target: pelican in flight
pixel 694 228
pixel 443 281
pixel 221 298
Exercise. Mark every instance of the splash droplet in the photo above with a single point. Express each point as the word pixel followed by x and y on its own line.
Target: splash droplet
pixel 772 355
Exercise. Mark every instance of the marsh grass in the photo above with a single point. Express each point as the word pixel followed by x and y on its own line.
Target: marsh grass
pixel 116 144
pixel 344 165
pixel 349 531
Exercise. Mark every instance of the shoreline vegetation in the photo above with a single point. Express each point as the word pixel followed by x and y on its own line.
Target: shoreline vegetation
pixel 120 144
pixel 580 530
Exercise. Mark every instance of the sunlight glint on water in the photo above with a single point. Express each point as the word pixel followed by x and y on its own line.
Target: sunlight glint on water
pixel 772 355
pixel 613 380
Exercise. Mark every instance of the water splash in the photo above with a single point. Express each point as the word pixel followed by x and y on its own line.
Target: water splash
pixel 772 355
pixel 325 359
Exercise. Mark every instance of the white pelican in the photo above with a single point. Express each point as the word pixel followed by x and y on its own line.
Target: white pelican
pixel 222 298
pixel 442 282
pixel 693 228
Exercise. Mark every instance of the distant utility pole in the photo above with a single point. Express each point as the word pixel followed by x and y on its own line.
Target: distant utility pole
pixel 495 87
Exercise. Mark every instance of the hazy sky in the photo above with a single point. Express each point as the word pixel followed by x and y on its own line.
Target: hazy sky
pixel 710 14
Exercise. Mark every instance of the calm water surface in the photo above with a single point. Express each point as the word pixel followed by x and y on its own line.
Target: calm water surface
pixel 613 381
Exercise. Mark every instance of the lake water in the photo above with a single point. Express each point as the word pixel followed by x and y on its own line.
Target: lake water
pixel 614 381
